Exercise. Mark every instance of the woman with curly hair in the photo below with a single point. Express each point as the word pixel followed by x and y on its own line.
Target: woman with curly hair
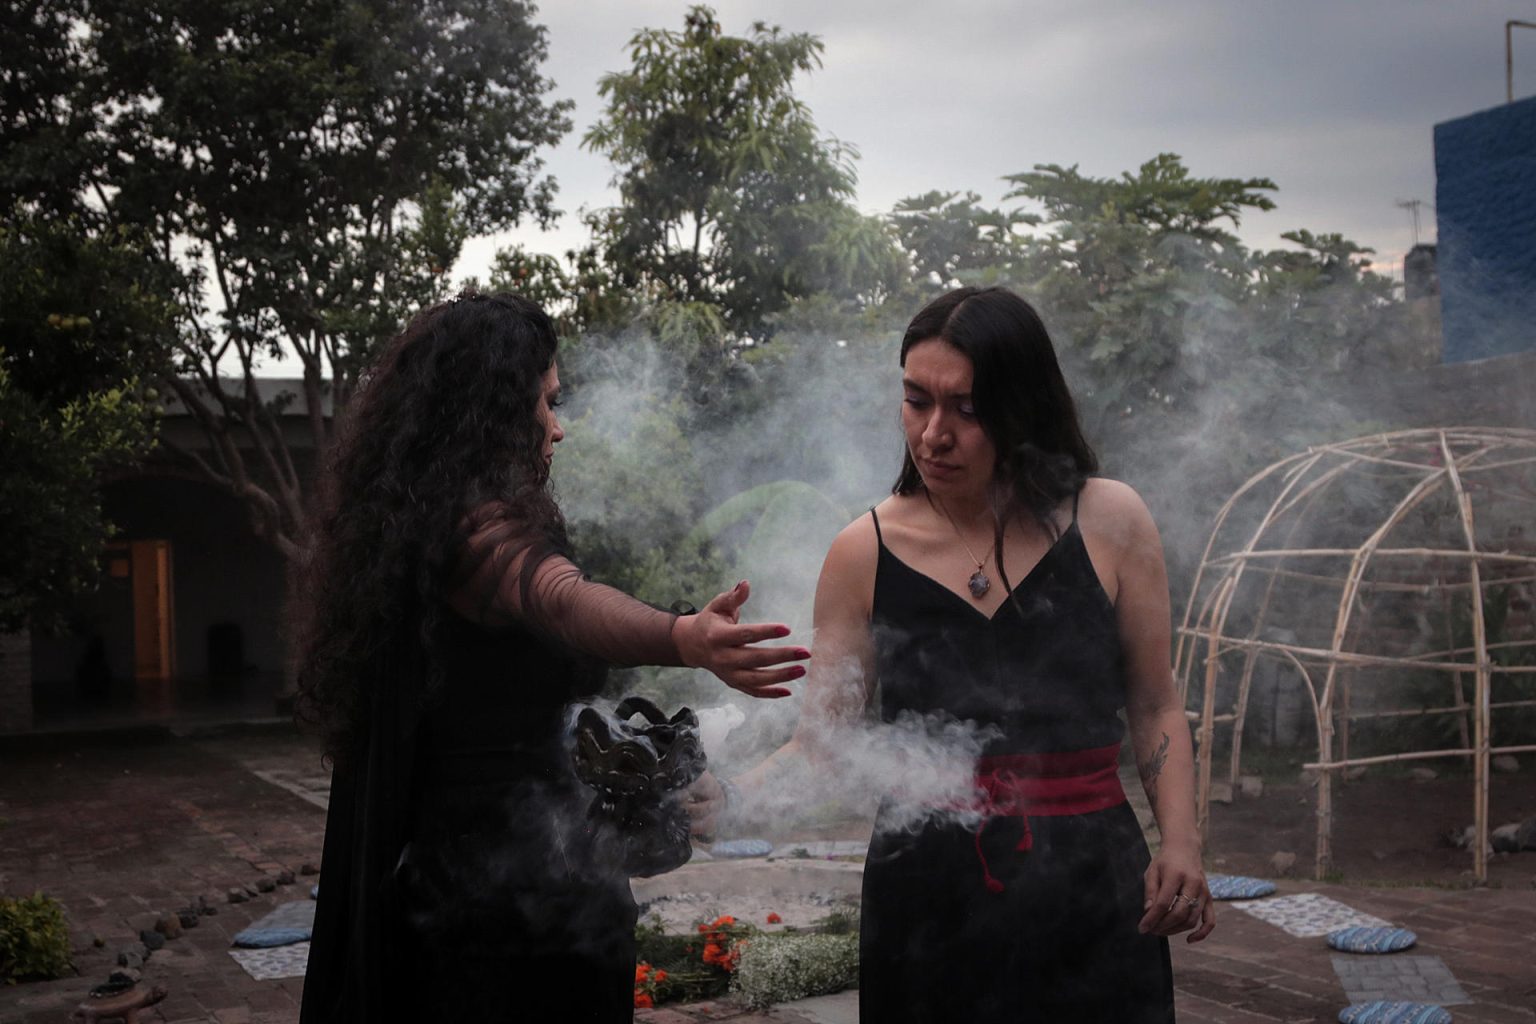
pixel 443 632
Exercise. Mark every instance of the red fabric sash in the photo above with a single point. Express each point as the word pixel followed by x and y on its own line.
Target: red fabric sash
pixel 1044 785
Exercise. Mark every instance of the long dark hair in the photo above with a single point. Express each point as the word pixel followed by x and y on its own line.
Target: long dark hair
pixel 444 426
pixel 1021 401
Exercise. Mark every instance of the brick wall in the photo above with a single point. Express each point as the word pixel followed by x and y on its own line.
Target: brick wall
pixel 15 682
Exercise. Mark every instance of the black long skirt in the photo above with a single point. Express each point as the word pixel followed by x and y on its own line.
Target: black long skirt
pixel 1058 943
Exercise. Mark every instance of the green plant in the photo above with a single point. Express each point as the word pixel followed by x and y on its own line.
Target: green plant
pixel 34 939
pixel 778 968
pixel 838 922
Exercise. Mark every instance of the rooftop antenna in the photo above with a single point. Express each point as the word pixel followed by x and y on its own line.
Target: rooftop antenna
pixel 1509 57
pixel 1412 206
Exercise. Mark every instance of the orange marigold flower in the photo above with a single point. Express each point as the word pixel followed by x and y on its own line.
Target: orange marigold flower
pixel 775 919
pixel 660 977
pixel 643 1001
pixel 641 970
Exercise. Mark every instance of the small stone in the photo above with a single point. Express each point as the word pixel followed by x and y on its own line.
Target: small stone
pixel 169 926
pixel 124 976
pixel 188 917
pixel 285 877
pixel 308 869
pixel 129 958
pixel 1221 792
pixel 97 941
pixel 238 895
pixel 1251 786
pixel 265 885
pixel 1507 763
pixel 1506 838
pixel 1283 862
pixel 1467 838
pixel 1423 774
pixel 1357 772
pixel 152 939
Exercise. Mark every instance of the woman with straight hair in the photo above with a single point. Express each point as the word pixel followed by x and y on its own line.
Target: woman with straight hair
pixel 1003 584
pixel 443 633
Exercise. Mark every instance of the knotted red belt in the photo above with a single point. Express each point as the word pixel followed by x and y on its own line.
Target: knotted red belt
pixel 1044 785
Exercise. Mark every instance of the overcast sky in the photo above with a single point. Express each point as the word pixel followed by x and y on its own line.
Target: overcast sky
pixel 1335 100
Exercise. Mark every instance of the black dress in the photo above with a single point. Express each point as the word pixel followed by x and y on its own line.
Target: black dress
pixel 461 879
pixel 1059 941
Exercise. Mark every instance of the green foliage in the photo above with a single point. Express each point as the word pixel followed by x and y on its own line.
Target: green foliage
pixel 83 319
pixel 34 939
pixel 730 194
pixel 1135 271
pixel 307 169
pixel 780 967
pixel 950 238
pixel 534 276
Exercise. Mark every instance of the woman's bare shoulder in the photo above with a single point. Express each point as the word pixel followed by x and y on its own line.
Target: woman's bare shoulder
pixel 1113 511
pixel 856 545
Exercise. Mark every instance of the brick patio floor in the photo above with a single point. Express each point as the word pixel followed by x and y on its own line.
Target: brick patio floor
pixel 122 828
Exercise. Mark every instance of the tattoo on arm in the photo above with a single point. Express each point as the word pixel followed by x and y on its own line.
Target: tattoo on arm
pixel 1152 767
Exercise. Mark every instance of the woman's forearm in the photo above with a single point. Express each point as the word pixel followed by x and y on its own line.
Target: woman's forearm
pixel 1165 761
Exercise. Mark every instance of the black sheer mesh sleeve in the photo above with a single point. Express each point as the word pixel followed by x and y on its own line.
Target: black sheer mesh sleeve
pixel 513 574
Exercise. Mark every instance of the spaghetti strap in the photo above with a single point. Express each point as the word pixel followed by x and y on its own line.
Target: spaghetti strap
pixel 876 520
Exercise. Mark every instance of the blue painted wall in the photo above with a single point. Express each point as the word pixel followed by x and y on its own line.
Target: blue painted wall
pixel 1485 204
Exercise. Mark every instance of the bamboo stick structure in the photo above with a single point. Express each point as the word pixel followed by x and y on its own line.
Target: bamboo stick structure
pixel 1384 577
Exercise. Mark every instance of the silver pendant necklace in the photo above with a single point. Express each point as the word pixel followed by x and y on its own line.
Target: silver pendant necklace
pixel 979 583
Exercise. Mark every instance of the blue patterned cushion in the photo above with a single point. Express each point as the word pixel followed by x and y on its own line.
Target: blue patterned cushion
pixel 741 848
pixel 288 923
pixel 265 938
pixel 1363 939
pixel 1382 1012
pixel 1238 887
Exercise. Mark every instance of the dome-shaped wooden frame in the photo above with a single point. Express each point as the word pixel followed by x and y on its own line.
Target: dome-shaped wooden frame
pixel 1240 591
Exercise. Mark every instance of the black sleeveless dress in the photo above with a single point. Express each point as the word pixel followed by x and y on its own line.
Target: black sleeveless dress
pixel 1059 941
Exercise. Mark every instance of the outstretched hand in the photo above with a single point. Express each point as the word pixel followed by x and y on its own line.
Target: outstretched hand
pixel 1177 898
pixel 715 639
pixel 704 801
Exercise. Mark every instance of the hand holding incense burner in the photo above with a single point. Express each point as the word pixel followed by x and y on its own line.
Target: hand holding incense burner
pixel 639 772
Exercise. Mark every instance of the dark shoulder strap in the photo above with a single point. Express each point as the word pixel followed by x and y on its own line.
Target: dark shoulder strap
pixel 876 520
pixel 1075 498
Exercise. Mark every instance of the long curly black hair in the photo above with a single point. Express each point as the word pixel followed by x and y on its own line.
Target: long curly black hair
pixel 1021 400
pixel 443 426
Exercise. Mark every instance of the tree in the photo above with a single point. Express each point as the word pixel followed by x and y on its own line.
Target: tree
pixel 311 167
pixel 82 323
pixel 1322 306
pixel 730 194
pixel 1139 275
pixel 949 236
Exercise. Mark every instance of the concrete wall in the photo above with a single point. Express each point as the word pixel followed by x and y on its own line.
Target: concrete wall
pixel 1485 203
pixel 15 682
pixel 223 576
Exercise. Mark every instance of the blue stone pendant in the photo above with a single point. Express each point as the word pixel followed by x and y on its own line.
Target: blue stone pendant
pixel 979 584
